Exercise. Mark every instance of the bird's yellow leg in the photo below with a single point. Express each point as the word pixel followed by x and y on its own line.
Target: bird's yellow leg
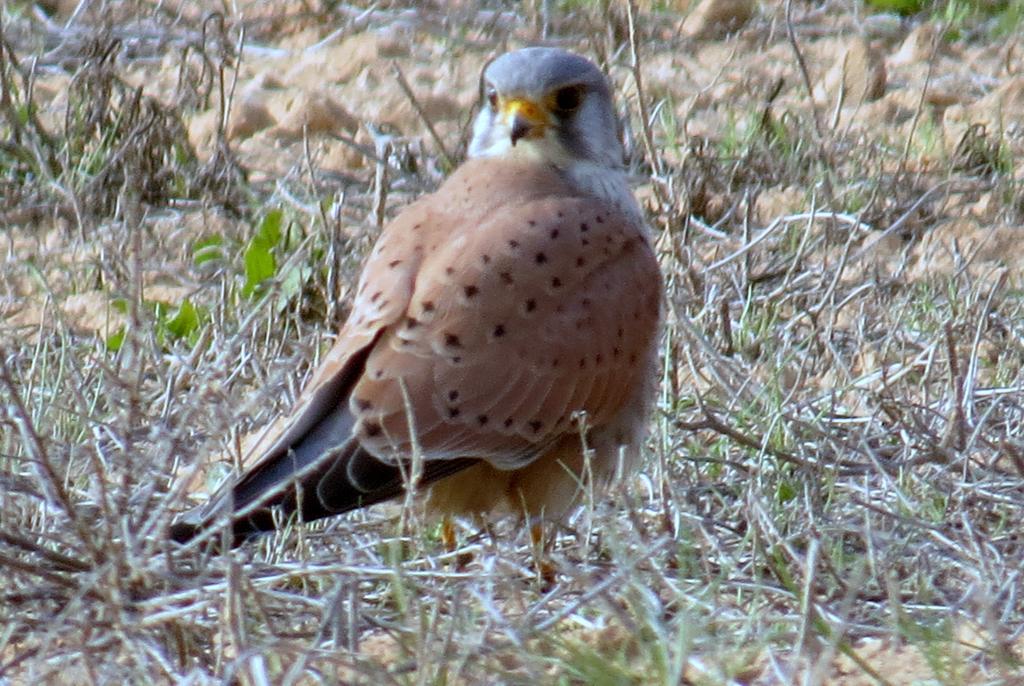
pixel 449 538
pixel 537 537
pixel 448 535
pixel 545 567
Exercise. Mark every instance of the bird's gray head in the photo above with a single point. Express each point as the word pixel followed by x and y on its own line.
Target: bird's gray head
pixel 546 104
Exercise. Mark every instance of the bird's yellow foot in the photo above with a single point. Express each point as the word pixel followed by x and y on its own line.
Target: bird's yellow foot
pixel 546 571
pixel 450 540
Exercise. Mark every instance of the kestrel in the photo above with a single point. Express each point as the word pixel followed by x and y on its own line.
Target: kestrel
pixel 504 326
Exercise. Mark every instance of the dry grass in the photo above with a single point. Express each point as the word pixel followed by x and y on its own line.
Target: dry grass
pixel 835 480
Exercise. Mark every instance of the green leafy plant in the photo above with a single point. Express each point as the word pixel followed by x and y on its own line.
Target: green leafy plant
pixel 208 249
pixel 904 7
pixel 260 263
pixel 170 323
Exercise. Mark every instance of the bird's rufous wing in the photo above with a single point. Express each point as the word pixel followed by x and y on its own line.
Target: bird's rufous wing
pixel 543 308
pixel 489 313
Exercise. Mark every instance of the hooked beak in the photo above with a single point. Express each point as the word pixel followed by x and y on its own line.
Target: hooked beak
pixel 526 119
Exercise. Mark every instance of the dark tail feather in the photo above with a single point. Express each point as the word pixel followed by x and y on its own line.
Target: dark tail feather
pixel 317 463
pixel 323 492
pixel 326 471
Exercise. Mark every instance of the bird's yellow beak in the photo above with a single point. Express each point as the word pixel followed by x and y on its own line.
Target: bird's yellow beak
pixel 526 119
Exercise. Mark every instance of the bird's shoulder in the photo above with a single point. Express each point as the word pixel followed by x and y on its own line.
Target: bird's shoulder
pixel 543 235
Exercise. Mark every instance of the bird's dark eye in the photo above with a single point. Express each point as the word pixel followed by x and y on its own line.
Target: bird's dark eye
pixel 492 98
pixel 569 98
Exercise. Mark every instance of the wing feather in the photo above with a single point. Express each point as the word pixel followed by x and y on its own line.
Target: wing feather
pixel 535 299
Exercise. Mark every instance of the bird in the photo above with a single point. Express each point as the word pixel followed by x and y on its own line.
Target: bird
pixel 501 350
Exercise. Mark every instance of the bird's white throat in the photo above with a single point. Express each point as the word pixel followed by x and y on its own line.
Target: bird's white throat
pixel 589 178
